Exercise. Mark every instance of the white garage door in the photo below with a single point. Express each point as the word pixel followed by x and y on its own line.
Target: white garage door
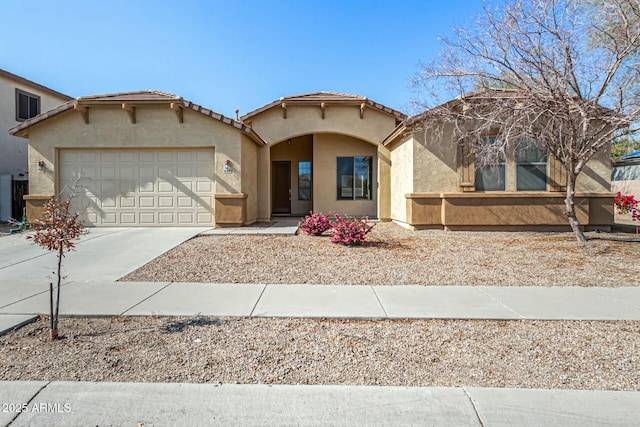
pixel 143 187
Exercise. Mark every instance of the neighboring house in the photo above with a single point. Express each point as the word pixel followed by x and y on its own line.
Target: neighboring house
pixel 152 158
pixel 625 175
pixel 20 100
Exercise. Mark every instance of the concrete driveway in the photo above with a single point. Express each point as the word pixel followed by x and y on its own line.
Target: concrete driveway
pixel 102 255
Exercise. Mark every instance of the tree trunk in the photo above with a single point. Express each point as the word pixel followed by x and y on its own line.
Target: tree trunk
pixel 569 202
pixel 54 330
pixel 54 322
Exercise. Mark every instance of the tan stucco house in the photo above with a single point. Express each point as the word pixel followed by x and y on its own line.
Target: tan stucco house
pixel 152 158
pixel 20 100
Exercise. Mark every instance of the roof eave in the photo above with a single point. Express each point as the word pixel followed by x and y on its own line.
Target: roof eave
pixel 328 102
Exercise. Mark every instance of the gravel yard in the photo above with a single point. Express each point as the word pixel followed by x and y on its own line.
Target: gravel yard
pixel 523 354
pixel 395 256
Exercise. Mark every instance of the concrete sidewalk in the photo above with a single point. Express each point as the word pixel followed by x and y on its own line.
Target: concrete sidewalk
pixel 332 301
pixel 131 404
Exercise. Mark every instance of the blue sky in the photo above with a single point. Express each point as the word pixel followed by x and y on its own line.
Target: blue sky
pixel 227 55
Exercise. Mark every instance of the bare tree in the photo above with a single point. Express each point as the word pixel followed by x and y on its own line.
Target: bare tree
pixel 57 232
pixel 560 73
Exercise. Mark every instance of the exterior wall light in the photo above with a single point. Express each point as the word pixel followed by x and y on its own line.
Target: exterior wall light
pixel 40 165
pixel 228 168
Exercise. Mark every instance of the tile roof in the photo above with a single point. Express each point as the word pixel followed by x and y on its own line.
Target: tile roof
pixel 145 97
pixel 330 98
pixel 138 96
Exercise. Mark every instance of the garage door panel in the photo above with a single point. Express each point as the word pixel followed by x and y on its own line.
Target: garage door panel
pixel 110 218
pixel 147 172
pixel 88 156
pixel 147 218
pixel 165 218
pixel 128 187
pixel 165 202
pixel 185 218
pixel 108 156
pixel 185 202
pixel 87 172
pixel 108 187
pixel 204 187
pixel 166 187
pixel 127 156
pixel 147 201
pixel 127 172
pixel 146 187
pixel 127 202
pixel 127 218
pixel 142 186
pixel 146 156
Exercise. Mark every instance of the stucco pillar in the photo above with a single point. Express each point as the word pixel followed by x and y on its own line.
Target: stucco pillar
pixel 384 183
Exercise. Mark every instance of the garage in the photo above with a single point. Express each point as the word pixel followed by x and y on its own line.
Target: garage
pixel 142 187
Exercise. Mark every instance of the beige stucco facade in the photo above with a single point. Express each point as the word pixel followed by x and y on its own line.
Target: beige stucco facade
pixel 259 162
pixel 309 131
pixel 432 198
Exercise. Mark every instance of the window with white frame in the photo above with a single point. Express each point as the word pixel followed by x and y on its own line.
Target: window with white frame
pixel 492 177
pixel 354 178
pixel 531 166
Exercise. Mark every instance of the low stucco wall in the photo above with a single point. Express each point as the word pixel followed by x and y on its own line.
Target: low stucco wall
pixel 505 210
pixel 231 210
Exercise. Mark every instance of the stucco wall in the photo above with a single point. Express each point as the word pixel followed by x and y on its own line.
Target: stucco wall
pixel 326 149
pixel 13 160
pixel 300 149
pixel 596 175
pixel 402 172
pixel 249 175
pixel 111 127
pixel 435 168
pixel 305 120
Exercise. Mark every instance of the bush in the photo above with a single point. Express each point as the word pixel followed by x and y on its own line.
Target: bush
pixel 627 204
pixel 350 231
pixel 315 223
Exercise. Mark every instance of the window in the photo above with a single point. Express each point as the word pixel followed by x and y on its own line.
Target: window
pixel 531 166
pixel 354 178
pixel 304 180
pixel 27 105
pixel 491 178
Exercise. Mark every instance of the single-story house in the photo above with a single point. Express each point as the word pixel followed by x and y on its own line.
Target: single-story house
pixel 152 158
pixel 625 175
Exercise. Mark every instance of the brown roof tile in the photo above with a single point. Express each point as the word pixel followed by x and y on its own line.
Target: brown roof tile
pixel 149 97
pixel 330 98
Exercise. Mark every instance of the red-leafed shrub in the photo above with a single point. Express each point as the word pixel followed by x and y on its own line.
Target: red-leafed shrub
pixel 627 204
pixel 315 223
pixel 350 231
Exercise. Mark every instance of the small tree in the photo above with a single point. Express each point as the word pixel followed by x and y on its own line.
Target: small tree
pixel 57 232
pixel 561 73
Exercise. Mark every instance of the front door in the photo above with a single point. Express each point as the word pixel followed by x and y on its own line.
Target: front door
pixel 281 187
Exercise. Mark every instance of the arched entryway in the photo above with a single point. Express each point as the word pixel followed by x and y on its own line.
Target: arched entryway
pixel 324 172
